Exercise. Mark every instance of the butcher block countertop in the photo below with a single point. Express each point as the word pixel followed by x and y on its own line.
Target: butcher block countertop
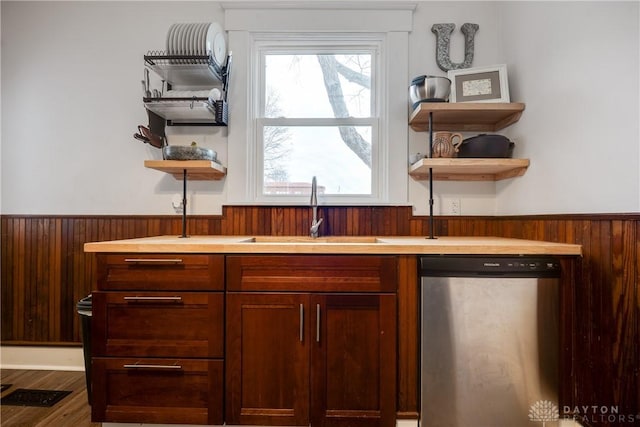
pixel 335 245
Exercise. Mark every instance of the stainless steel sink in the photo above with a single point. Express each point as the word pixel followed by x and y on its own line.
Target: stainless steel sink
pixel 317 240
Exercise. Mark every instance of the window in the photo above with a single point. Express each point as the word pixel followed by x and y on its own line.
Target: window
pixel 369 38
pixel 317 114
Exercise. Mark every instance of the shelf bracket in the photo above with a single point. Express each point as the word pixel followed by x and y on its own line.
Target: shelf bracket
pixel 184 204
pixel 431 176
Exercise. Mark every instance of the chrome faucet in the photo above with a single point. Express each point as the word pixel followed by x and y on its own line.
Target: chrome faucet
pixel 315 222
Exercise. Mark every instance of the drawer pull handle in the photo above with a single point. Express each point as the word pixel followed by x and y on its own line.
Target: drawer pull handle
pixel 301 322
pixel 154 260
pixel 140 366
pixel 317 322
pixel 151 299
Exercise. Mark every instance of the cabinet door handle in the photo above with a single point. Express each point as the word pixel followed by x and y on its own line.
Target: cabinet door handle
pixel 317 322
pixel 154 299
pixel 301 322
pixel 140 366
pixel 154 260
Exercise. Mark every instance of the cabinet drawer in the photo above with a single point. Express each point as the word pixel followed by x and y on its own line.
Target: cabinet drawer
pixel 309 273
pixel 158 324
pixel 160 272
pixel 157 391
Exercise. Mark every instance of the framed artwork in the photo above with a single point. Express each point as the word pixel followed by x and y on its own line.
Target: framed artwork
pixel 483 84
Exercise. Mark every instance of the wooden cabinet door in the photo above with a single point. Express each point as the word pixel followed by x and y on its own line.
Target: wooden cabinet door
pixel 267 372
pixel 353 360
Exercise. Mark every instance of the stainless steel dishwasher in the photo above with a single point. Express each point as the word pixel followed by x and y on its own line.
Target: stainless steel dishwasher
pixel 489 339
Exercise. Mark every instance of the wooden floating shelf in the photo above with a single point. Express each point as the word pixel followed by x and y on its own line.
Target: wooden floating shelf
pixel 445 169
pixel 465 116
pixel 196 169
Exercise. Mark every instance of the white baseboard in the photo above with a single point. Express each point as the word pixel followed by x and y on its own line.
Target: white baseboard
pixel 42 358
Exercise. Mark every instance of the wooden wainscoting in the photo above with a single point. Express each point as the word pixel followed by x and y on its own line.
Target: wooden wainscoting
pixel 44 272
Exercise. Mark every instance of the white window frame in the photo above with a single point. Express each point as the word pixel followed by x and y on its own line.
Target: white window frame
pixel 389 19
pixel 318 43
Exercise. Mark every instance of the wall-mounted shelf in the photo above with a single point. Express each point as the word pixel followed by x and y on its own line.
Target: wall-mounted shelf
pixel 468 169
pixel 200 170
pixel 465 116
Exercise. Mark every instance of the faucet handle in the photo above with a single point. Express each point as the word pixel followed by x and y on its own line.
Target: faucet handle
pixel 315 225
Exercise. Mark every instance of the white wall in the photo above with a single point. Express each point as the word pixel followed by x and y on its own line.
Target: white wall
pixel 71 100
pixel 575 65
pixel 0 112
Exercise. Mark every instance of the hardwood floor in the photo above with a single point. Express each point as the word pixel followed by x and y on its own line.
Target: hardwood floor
pixel 72 411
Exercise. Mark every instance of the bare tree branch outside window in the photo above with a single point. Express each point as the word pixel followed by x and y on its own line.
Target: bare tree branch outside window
pixel 277 141
pixel 331 71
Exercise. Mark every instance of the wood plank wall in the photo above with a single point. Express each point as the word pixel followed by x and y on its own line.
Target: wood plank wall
pixel 45 272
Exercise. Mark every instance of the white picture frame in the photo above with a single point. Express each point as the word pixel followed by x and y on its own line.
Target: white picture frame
pixel 479 84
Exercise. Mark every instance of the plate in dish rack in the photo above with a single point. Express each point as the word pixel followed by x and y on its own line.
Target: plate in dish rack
pixel 196 47
pixel 192 45
pixel 169 43
pixel 216 44
pixel 202 41
pixel 177 40
pixel 193 40
pixel 185 40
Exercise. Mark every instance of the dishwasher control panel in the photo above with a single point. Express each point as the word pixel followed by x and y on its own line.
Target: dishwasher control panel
pixel 524 266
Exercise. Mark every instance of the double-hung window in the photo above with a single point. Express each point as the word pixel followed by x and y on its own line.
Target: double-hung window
pixel 318 90
pixel 317 114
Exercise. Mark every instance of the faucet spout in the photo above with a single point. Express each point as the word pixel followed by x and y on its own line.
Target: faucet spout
pixel 315 222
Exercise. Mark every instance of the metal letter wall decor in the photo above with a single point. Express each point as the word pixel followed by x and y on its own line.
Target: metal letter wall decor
pixel 443 40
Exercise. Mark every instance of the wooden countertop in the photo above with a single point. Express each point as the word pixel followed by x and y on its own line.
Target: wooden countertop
pixel 335 245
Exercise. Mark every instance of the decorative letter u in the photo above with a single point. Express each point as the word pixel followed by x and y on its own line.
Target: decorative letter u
pixel 443 40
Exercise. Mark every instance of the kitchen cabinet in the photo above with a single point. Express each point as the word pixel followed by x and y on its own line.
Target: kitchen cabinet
pixel 158 339
pixel 311 340
pixel 463 116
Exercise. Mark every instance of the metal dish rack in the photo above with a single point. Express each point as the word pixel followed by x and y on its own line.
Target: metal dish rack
pixel 191 71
